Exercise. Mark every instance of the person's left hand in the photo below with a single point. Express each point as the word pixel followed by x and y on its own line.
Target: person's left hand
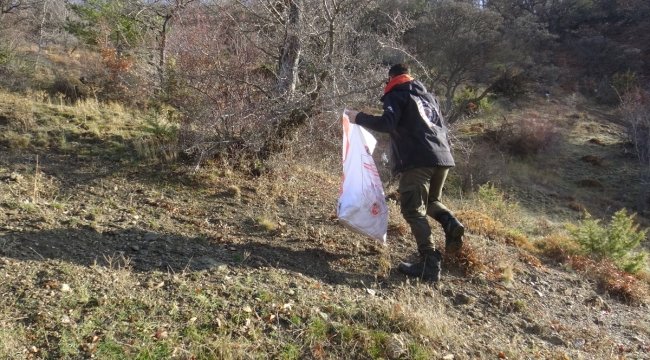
pixel 352 115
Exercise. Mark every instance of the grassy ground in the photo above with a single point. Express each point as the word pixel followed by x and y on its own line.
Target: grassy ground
pixel 110 248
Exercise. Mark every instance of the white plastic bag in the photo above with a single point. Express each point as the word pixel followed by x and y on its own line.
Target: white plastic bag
pixel 362 205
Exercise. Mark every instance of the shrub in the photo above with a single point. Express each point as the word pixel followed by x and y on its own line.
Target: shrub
pixel 163 125
pixel 636 111
pixel 527 137
pixel 616 282
pixel 624 82
pixel 593 159
pixel 473 107
pixel 616 241
pixel 557 248
pixel 72 88
pixel 510 84
pixel 495 203
pixel 476 164
pixel 18 142
pixel 577 207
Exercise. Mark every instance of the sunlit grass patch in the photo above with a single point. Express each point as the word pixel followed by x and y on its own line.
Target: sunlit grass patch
pixel 234 191
pixel 265 223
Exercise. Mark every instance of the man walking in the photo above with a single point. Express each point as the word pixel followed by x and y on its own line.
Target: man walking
pixel 421 155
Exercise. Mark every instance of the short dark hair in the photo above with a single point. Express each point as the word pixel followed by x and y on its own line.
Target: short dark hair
pixel 398 69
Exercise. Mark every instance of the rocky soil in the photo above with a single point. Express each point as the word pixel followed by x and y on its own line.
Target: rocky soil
pixel 75 220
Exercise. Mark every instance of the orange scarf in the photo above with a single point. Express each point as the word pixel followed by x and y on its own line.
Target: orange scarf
pixel 397 80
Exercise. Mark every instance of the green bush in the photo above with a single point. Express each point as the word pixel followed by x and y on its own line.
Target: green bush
pixel 471 108
pixel 163 124
pixel 510 85
pixel 494 202
pixel 617 241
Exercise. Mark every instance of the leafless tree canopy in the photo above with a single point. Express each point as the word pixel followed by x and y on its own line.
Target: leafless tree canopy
pixel 246 75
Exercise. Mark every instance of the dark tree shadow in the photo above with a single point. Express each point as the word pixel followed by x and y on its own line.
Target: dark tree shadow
pixel 149 251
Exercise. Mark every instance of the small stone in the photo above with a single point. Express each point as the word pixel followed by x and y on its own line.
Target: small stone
pixel 247 309
pixel 579 343
pixel 597 302
pixel 135 248
pixel 65 288
pixel 463 299
pixel 65 319
pixel 536 329
pixel 205 263
pixel 637 339
pixel 371 292
pixel 14 176
pixel 448 357
pixel 568 292
pixel 150 236
pixel 555 340
pixel 395 346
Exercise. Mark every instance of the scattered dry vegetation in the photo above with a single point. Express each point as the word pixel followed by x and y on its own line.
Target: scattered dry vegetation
pixel 161 261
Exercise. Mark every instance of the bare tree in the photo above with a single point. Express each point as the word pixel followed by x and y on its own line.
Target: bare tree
pixel 157 17
pixel 282 63
pixel 636 110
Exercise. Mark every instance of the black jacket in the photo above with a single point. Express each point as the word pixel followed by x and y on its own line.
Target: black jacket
pixel 418 134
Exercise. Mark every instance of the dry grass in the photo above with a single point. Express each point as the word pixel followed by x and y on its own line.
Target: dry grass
pixel 112 311
pixel 590 183
pixel 627 287
pixel 558 248
pixel 593 159
pixel 616 282
pixel 187 315
pixel 481 224
pixel 266 224
pixel 577 207
pixel 597 141
pixel 529 136
pixel 468 260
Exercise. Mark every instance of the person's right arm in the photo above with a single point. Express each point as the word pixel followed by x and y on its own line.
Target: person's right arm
pixel 388 120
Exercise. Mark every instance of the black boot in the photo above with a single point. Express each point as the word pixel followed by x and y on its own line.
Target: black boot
pixel 454 231
pixel 428 268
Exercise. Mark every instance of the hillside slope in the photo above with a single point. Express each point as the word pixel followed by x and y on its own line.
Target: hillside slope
pixel 109 251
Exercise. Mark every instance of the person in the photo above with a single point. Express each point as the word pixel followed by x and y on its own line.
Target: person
pixel 421 156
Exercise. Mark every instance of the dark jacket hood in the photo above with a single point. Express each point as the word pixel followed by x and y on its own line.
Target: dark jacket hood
pixel 415 87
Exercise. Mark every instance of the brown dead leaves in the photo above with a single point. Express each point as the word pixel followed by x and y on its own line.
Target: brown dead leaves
pixel 617 282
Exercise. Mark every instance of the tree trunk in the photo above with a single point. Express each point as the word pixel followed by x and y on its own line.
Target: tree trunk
pixel 162 51
pixel 290 53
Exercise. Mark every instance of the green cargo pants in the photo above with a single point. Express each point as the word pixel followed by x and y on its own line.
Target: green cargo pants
pixel 420 190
